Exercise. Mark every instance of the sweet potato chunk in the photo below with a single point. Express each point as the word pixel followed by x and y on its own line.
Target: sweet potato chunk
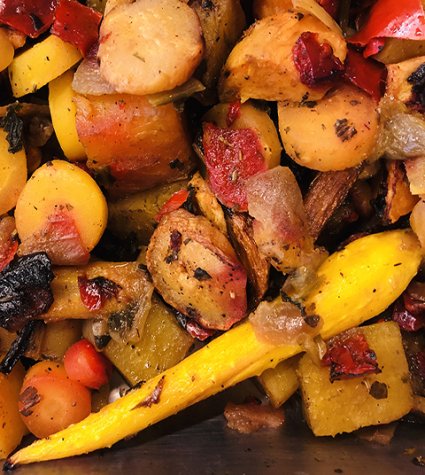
pixel 195 269
pixel 347 405
pixel 139 145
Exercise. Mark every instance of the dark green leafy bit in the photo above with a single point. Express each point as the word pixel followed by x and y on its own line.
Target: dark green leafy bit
pixel 14 126
pixel 25 291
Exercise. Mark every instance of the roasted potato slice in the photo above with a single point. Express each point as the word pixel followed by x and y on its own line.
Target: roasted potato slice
pixel 399 86
pixel 195 269
pixel 149 46
pixel 222 22
pixel 339 131
pixel 261 65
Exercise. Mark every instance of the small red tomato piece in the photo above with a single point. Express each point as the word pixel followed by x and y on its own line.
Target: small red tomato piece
pixel 86 365
pixel 175 201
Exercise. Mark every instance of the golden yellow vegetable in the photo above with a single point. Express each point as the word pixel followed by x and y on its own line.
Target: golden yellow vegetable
pixel 58 337
pixel 391 260
pixel 13 175
pixel 63 111
pixel 343 406
pixel 261 65
pixel 40 64
pixel 58 187
pixel 337 132
pixel 12 429
pixel 6 50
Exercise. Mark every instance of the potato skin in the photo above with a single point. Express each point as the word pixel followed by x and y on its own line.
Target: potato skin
pixel 338 132
pixel 195 269
pixel 261 66
pixel 139 145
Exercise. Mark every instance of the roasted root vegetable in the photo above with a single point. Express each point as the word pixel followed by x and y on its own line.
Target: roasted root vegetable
pixel 391 260
pixel 137 145
pixel 7 50
pixel 364 400
pixel 337 132
pixel 262 66
pixel 61 211
pixel 13 174
pixel 149 46
pixel 402 79
pixel 12 429
pixel 195 269
pixel 63 112
pixel 163 344
pixel 38 65
pixel 58 337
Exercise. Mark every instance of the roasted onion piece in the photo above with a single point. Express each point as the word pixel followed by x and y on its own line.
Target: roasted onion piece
pixel 195 269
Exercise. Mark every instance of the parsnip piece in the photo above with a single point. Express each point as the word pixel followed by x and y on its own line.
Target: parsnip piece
pixel 6 50
pixel 40 64
pixel 59 185
pixel 343 406
pixel 12 429
pixel 337 132
pixel 63 112
pixel 386 262
pixel 13 175
pixel 261 65
pixel 149 46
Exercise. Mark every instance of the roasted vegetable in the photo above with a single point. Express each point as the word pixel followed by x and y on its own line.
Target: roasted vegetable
pixel 261 65
pixel 195 269
pixel 396 50
pixel 58 337
pixel 163 344
pixel 337 132
pixel 149 46
pixel 7 50
pixel 364 400
pixel 391 260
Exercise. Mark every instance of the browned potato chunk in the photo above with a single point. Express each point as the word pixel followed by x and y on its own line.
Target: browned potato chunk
pixel 347 405
pixel 398 86
pixel 140 145
pixel 195 269
pixel 249 117
pixel 222 22
pixel 340 131
pixel 149 46
pixel 261 66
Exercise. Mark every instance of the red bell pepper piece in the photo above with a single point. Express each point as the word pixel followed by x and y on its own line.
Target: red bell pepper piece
pixel 231 156
pixel 175 201
pixel 77 24
pixel 95 292
pixel 392 19
pixel 233 113
pixel 367 74
pixel 31 17
pixel 331 6
pixel 313 60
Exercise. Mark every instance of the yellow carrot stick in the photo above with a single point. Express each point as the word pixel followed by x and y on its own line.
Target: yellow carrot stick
pixel 355 284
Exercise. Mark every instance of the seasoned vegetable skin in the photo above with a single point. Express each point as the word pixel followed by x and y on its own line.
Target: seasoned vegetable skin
pixel 222 23
pixel 149 46
pixel 238 354
pixel 362 401
pixel 339 131
pixel 261 65
pixel 195 269
pixel 139 145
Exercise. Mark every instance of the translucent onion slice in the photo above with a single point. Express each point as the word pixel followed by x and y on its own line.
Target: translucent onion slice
pixel 312 7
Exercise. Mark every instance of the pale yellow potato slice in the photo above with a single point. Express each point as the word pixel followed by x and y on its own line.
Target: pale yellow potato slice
pixel 6 50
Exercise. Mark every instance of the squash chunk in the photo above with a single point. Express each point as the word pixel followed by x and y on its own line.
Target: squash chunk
pixel 12 429
pixel 347 405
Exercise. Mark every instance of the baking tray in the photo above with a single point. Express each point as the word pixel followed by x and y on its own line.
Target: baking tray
pixel 197 441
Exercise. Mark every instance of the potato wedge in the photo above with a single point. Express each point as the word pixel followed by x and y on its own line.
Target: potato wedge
pixel 238 354
pixel 136 145
pixel 40 64
pixel 344 406
pixel 149 46
pixel 339 131
pixel 261 66
pixel 7 51
pixel 195 269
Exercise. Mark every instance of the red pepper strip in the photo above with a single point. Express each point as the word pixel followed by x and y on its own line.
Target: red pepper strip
pixel 366 74
pixel 7 252
pixel 331 6
pixel 313 60
pixel 392 19
pixel 95 292
pixel 77 24
pixel 175 201
pixel 233 113
pixel 349 355
pixel 231 157
pixel 31 17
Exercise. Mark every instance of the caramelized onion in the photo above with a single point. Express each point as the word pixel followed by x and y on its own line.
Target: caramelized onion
pixel 88 80
pixel 417 221
pixel 312 7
